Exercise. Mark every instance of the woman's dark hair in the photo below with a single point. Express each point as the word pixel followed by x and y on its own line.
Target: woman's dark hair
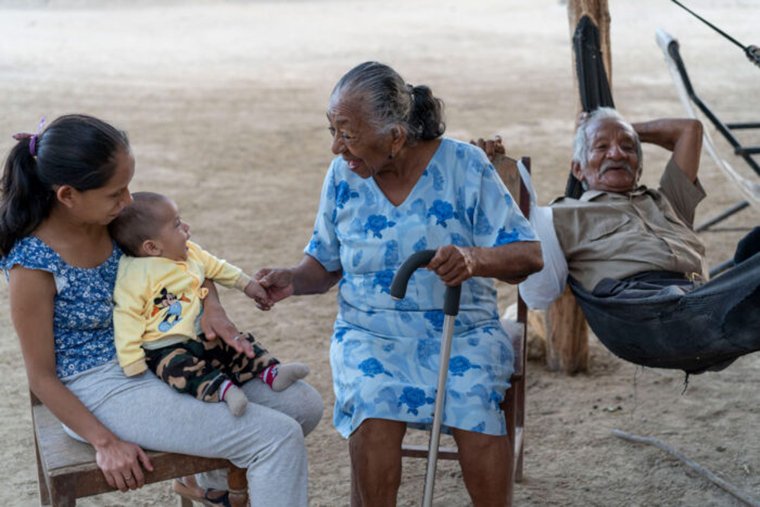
pixel 392 102
pixel 75 150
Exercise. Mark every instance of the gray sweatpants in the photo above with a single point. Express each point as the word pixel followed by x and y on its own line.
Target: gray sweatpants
pixel 268 439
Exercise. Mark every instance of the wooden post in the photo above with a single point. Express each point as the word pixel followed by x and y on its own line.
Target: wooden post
pixel 566 328
pixel 567 336
pixel 598 11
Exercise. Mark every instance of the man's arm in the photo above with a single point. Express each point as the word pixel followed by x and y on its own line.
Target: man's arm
pixel 682 136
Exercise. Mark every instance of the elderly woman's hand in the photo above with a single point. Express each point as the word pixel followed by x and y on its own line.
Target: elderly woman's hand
pixel 453 264
pixel 278 283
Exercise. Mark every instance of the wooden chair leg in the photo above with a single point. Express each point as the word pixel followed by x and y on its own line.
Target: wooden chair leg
pixel 237 484
pixel 519 440
pixel 41 481
pixel 508 405
pixel 62 494
pixel 510 474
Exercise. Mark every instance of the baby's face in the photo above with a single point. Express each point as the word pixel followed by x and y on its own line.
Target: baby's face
pixel 173 234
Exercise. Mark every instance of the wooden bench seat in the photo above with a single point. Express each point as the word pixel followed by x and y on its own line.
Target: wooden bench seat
pixel 66 467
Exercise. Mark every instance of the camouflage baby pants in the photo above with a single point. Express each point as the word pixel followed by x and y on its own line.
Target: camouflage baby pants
pixel 199 367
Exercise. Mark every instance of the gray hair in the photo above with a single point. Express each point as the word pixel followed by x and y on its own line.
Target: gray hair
pixel 391 102
pixel 582 143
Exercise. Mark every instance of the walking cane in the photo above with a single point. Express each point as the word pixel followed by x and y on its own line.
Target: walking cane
pixel 450 310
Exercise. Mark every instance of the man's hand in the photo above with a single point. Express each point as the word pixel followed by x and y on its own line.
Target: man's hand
pixel 581 119
pixel 493 147
pixel 682 136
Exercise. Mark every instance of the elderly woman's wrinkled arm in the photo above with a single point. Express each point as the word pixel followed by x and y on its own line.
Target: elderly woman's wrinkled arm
pixel 510 263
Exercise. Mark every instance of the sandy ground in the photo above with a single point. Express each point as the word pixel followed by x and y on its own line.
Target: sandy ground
pixel 224 103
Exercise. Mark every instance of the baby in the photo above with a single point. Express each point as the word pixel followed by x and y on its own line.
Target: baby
pixel 159 301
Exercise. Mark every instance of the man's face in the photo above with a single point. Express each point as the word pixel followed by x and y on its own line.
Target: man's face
pixel 613 161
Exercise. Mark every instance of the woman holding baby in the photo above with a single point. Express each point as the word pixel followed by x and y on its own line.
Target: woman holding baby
pixel 60 189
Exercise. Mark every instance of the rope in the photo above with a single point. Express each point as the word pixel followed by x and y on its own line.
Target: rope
pixel 752 52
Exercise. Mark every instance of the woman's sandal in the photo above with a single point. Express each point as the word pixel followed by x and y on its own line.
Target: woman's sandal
pixel 187 488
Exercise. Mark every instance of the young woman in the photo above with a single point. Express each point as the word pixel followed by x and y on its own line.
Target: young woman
pixel 60 189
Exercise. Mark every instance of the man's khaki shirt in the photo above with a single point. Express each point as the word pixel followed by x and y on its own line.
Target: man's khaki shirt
pixel 610 235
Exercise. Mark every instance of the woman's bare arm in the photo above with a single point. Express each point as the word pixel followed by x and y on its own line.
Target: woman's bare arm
pixel 31 296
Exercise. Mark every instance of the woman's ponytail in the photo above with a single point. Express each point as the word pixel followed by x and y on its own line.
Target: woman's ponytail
pixel 24 199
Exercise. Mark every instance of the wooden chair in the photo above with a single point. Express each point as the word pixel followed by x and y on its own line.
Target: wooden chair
pixel 514 399
pixel 66 468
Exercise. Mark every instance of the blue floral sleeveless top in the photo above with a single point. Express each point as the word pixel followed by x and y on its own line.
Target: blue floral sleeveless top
pixel 83 305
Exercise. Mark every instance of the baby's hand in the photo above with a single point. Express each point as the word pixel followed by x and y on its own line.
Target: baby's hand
pixel 256 292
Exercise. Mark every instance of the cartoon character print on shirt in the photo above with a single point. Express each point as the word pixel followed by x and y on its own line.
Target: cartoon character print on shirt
pixel 173 307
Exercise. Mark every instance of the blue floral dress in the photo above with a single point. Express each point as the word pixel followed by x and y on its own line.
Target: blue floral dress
pixel 384 353
pixel 83 305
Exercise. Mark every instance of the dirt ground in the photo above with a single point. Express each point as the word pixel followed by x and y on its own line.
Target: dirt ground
pixel 224 103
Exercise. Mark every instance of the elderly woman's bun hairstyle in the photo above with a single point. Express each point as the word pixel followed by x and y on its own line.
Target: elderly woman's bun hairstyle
pixel 392 102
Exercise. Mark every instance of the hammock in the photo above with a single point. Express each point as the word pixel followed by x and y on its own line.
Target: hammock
pixel 706 328
pixel 593 86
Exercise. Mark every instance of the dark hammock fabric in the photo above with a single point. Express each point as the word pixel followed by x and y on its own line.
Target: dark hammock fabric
pixel 673 324
pixel 593 86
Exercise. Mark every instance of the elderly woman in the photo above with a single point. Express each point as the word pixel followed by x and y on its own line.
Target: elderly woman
pixel 397 187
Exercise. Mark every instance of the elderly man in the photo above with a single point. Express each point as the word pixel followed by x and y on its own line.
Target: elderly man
pixel 634 262
pixel 619 230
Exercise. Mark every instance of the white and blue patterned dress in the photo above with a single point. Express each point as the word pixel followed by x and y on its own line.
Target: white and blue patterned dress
pixel 83 304
pixel 384 353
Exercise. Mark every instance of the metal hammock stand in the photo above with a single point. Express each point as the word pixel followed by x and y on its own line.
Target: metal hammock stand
pixel 749 188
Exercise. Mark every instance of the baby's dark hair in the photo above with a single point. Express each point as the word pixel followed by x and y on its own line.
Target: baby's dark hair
pixel 138 222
